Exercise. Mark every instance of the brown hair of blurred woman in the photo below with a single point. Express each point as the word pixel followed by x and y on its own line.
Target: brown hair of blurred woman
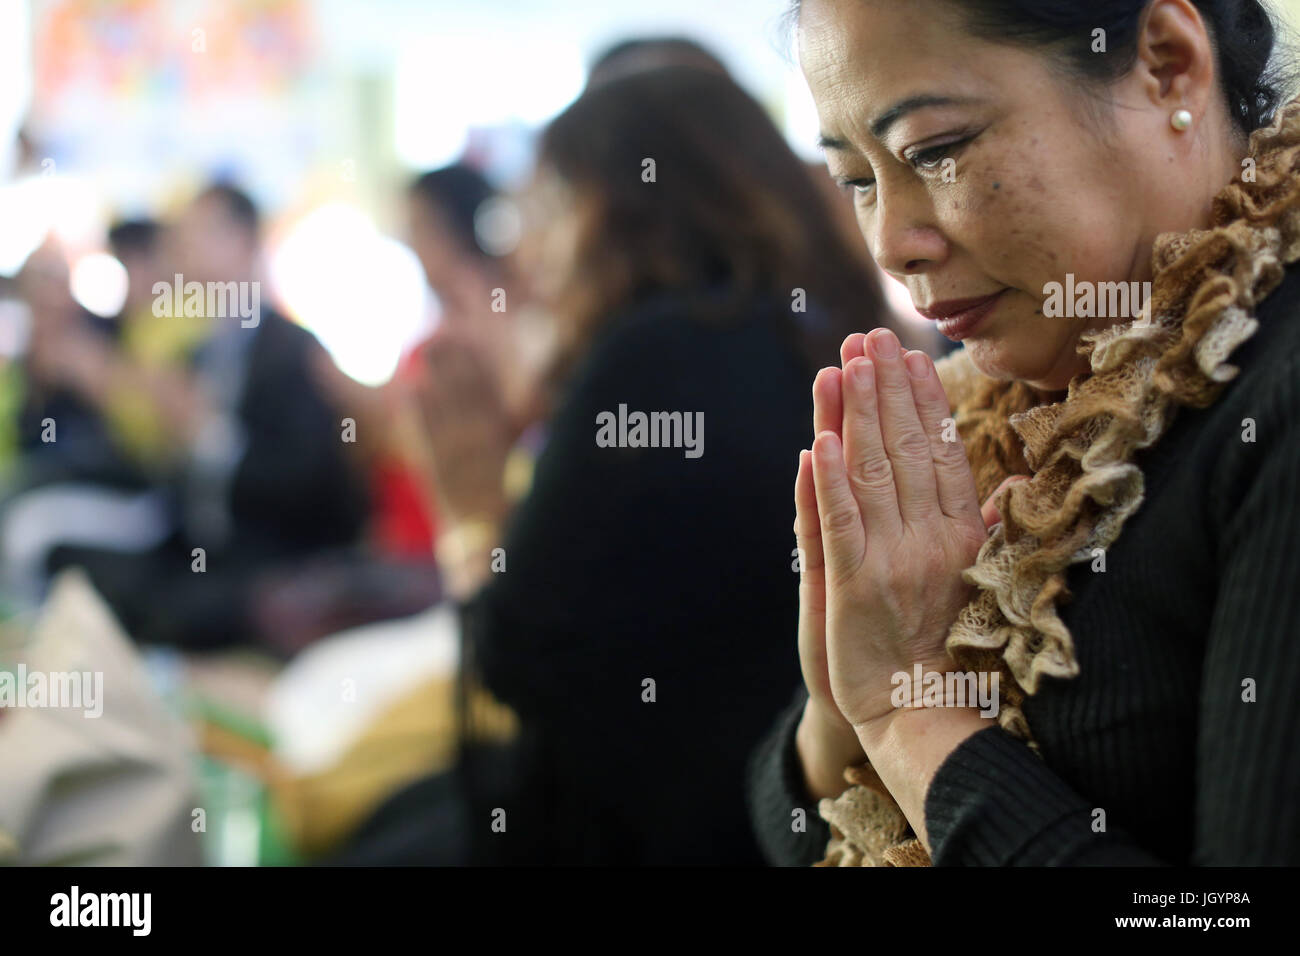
pixel 638 54
pixel 682 182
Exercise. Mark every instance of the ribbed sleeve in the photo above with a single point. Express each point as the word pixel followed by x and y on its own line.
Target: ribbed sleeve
pixel 1248 777
pixel 993 802
pixel 776 790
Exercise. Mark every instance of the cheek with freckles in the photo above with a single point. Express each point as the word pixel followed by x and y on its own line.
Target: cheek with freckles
pixel 1007 220
pixel 995 211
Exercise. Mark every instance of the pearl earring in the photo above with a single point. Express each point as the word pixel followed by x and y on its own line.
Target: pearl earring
pixel 1180 120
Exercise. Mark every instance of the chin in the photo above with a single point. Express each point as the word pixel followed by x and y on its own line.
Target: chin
pixel 991 358
pixel 997 359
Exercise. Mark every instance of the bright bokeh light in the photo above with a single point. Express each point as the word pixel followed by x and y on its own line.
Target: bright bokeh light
pixel 444 88
pixel 24 221
pixel 361 293
pixel 15 328
pixel 33 207
pixel 99 283
pixel 499 226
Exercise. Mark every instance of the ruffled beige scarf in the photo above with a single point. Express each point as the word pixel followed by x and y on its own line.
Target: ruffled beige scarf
pixel 1079 452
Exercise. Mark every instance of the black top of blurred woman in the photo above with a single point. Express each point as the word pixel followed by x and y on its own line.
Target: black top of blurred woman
pixel 641 54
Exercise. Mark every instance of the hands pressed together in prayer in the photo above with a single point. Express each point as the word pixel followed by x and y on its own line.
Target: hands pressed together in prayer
pixel 469 433
pixel 887 518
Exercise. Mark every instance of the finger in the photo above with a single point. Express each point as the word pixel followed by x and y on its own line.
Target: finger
pixel 436 361
pixel 438 384
pixel 953 478
pixel 853 347
pixel 449 357
pixel 429 402
pixel 807 526
pixel 871 473
pixel 844 540
pixel 442 391
pixel 460 375
pixel 989 512
pixel 476 378
pixel 905 439
pixel 828 410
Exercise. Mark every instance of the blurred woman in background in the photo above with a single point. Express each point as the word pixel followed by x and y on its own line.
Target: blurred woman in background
pixel 462 231
pixel 634 608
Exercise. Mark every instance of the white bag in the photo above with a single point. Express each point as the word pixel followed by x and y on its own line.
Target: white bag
pixel 75 788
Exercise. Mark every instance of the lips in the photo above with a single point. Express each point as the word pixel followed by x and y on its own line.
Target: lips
pixel 959 318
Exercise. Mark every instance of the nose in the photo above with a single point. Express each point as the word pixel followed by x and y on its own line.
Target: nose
pixel 903 235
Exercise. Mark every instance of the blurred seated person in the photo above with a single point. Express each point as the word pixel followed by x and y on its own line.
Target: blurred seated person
pixel 66 479
pixel 155 346
pixel 61 433
pixel 463 232
pixel 220 389
pixel 634 609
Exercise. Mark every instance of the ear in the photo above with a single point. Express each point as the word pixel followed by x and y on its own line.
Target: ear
pixel 1175 58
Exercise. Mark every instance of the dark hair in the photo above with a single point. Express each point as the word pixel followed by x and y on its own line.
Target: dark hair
pixel 238 205
pixel 457 192
pixel 732 218
pixel 643 53
pixel 132 236
pixel 1243 33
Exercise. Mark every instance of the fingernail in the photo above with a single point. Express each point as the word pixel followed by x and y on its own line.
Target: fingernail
pixel 829 443
pixel 917 366
pixel 824 373
pixel 885 344
pixel 863 374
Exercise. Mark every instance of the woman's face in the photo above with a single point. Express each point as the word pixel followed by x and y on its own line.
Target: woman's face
pixel 434 245
pixel 548 248
pixel 977 172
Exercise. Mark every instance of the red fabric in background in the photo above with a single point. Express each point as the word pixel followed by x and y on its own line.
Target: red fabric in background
pixel 405 520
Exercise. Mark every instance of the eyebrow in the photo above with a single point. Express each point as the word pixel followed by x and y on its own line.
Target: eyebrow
pixel 881 124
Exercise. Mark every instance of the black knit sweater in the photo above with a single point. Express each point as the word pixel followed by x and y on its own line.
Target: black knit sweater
pixel 1175 744
pixel 628 565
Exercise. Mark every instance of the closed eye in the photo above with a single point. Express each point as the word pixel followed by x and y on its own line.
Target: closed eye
pixel 859 186
pixel 931 157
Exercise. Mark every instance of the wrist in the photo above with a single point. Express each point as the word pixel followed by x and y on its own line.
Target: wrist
pixel 484 507
pixel 907 748
pixel 825 747
pixel 929 685
pixel 893 734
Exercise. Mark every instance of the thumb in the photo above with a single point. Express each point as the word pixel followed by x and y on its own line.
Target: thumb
pixel 989 510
